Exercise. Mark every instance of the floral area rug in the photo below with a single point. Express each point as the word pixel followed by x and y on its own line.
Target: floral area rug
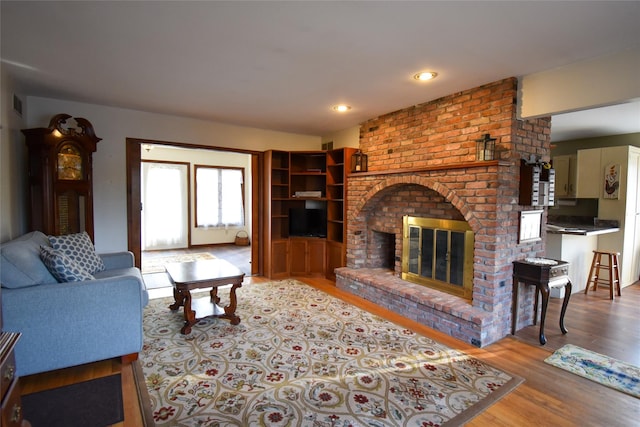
pixel 301 357
pixel 597 367
pixel 156 264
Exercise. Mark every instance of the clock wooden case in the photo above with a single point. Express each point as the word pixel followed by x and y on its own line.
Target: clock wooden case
pixel 60 175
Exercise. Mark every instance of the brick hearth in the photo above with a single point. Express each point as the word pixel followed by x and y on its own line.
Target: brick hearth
pixel 438 310
pixel 422 163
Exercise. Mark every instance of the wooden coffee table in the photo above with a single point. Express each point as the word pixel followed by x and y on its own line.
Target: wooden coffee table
pixel 187 276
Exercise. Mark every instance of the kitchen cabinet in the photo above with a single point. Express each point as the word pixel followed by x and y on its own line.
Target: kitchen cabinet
pixel 625 208
pixel 577 250
pixel 566 173
pixel 588 174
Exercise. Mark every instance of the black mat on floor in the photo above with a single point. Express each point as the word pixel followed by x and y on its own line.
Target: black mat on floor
pixel 94 403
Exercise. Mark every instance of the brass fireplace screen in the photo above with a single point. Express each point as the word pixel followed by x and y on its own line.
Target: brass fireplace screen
pixel 438 253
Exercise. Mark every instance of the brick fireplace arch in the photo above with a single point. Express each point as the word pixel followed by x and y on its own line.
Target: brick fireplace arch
pixel 386 183
pixel 380 202
pixel 387 202
pixel 447 206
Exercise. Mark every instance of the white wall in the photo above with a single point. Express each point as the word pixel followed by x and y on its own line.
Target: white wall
pixel 13 205
pixel 205 236
pixel 114 125
pixel 607 80
pixel 349 137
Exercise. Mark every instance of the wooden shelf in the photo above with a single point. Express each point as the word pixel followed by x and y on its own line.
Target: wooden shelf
pixel 537 185
pixel 300 171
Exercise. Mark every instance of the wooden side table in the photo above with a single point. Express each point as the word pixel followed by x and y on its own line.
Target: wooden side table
pixel 543 274
pixel 11 415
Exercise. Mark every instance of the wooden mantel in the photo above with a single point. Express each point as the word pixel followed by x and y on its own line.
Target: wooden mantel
pixel 452 166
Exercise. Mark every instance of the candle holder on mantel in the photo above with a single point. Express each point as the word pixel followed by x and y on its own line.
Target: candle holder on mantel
pixel 359 162
pixel 485 148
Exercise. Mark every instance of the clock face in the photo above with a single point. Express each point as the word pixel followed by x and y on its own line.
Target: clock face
pixel 70 163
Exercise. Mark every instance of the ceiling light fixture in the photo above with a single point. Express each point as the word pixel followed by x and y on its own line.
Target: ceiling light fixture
pixel 341 108
pixel 425 75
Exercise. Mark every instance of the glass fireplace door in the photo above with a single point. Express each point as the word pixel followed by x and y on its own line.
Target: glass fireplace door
pixel 439 254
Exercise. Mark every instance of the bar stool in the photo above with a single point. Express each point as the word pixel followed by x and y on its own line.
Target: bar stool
pixel 612 266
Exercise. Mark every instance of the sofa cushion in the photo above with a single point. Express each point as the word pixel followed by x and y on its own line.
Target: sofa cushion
pixel 62 267
pixel 80 249
pixel 20 263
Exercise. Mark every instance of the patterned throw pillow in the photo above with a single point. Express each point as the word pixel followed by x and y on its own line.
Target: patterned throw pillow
pixel 62 267
pixel 80 249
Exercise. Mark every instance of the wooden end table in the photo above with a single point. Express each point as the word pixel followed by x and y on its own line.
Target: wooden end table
pixel 543 274
pixel 187 276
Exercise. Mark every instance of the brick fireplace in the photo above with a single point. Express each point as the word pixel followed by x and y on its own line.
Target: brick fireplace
pixel 422 163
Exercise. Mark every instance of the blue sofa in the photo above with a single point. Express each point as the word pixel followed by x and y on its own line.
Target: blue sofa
pixel 71 323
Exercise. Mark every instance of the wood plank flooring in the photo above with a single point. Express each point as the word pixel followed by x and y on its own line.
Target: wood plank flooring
pixel 549 396
pixel 240 256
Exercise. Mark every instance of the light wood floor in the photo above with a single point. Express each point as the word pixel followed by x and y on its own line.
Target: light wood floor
pixel 240 256
pixel 548 397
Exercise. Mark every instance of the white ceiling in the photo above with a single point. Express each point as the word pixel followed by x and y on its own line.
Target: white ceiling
pixel 282 65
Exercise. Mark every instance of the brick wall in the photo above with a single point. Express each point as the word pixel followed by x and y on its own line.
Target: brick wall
pixel 422 163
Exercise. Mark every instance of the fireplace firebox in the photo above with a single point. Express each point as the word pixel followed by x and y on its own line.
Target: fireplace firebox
pixel 438 253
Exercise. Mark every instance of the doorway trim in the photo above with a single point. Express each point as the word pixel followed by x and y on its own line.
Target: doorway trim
pixel 134 223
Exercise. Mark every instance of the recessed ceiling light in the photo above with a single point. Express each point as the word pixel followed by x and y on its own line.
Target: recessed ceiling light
pixel 341 108
pixel 425 75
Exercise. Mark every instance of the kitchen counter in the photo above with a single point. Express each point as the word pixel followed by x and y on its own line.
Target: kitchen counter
pixel 580 230
pixel 573 239
pixel 580 225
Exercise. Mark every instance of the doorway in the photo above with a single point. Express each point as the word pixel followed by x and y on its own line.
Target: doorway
pixel 165 206
pixel 135 190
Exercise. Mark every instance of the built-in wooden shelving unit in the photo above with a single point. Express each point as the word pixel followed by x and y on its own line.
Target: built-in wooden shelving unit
pixel 310 180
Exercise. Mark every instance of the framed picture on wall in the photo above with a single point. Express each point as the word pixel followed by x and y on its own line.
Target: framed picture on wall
pixel 530 226
pixel 612 181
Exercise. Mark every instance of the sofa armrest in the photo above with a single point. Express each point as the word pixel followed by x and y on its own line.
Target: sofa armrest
pixel 66 324
pixel 116 260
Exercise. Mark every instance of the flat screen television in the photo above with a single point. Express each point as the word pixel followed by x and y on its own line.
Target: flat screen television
pixel 307 222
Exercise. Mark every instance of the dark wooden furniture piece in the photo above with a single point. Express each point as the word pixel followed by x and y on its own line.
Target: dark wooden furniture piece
pixel 612 266
pixel 11 411
pixel 543 274
pixel 187 276
pixel 60 176
pixel 312 180
pixel 537 184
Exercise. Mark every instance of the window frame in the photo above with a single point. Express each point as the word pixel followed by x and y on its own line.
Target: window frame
pixel 196 167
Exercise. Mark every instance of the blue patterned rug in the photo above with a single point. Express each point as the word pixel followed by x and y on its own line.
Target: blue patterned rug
pixel 597 367
pixel 301 357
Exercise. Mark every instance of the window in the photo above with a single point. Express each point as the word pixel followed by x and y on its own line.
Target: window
pixel 219 196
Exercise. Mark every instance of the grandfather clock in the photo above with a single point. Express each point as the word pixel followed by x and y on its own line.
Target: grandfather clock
pixel 60 175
